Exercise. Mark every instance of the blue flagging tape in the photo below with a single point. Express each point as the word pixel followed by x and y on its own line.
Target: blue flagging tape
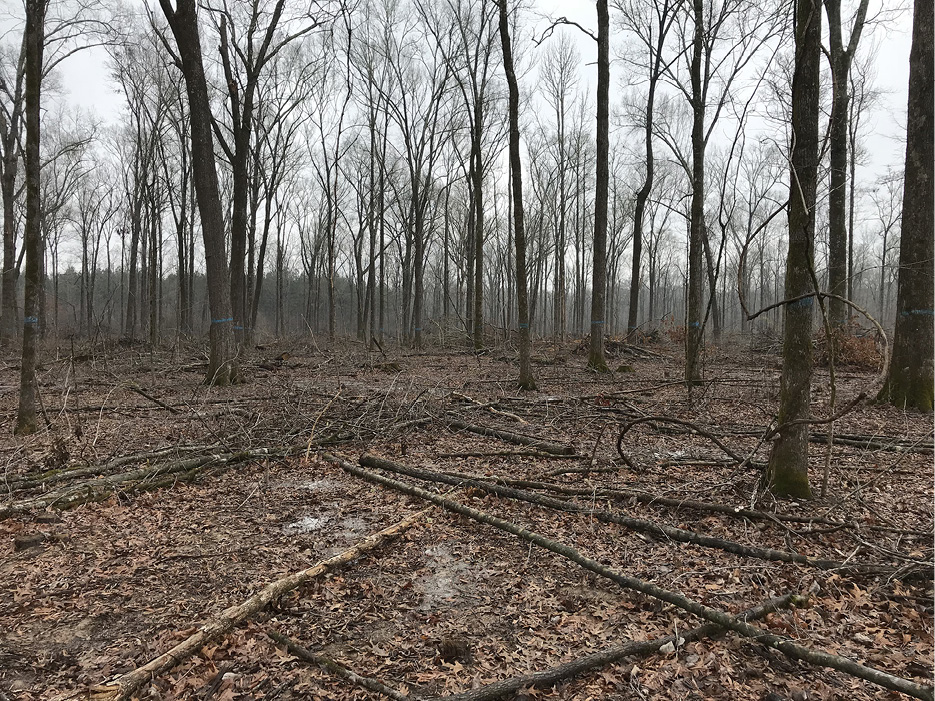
pixel 694 324
pixel 419 328
pixel 30 320
pixel 597 323
pixel 238 328
pixel 221 321
pixel 918 312
pixel 524 326
pixel 804 302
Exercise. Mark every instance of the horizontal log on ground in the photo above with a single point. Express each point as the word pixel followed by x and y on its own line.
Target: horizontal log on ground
pixel 139 480
pixel 693 505
pixel 124 686
pixel 46 477
pixel 549 677
pixel 336 668
pixel 721 618
pixel 662 531
pixel 510 437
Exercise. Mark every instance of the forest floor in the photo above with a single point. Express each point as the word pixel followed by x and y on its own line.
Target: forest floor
pixel 91 592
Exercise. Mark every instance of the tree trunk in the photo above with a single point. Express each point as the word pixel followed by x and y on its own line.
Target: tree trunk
pixel 909 379
pixel 694 334
pixel 599 278
pixel 9 328
pixel 788 460
pixel 526 380
pixel 33 41
pixel 840 59
pixel 477 157
pixel 223 365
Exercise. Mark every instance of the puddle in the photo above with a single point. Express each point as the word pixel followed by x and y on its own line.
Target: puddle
pixel 306 524
pixel 442 584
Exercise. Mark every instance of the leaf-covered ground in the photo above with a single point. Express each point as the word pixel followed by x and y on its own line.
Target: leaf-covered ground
pixel 452 604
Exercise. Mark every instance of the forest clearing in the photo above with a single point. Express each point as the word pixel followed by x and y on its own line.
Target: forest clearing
pixel 186 499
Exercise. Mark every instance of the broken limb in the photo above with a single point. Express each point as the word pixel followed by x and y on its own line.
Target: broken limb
pixel 659 530
pixel 124 686
pixel 549 677
pixel 644 497
pixel 336 668
pixel 721 618
pixel 509 437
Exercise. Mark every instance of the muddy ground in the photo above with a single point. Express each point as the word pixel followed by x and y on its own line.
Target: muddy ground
pixel 93 591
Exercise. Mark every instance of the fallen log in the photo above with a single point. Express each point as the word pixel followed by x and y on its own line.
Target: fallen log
pixel 549 677
pixel 124 686
pixel 663 531
pixel 336 668
pixel 46 477
pixel 721 618
pixel 510 437
pixel 651 499
pixel 103 487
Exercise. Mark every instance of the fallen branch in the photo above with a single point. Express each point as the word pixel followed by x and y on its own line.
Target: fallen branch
pixel 36 479
pixel 663 531
pixel 491 407
pixel 784 645
pixel 139 480
pixel 124 686
pixel 158 402
pixel 509 437
pixel 549 677
pixel 651 499
pixel 336 668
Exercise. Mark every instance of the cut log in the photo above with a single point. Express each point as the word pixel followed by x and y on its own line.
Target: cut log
pixel 124 686
pixel 721 618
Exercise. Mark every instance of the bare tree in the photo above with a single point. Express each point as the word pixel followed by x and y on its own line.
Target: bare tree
pixel 651 25
pixel 33 45
pixel 596 359
pixel 526 380
pixel 788 461
pixel 909 379
pixel 223 365
pixel 840 58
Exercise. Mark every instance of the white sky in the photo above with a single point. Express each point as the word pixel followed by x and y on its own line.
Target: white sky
pixel 86 81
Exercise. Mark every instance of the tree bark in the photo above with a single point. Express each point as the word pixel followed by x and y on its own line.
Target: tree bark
pixel 526 380
pixel 694 333
pixel 909 380
pixel 33 40
pixel 596 359
pixel 788 461
pixel 223 366
pixel 840 59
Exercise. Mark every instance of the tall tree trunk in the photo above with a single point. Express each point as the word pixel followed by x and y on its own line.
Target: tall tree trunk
pixel 840 58
pixel 34 41
pixel 601 188
pixel 223 366
pixel 788 460
pixel 9 328
pixel 477 157
pixel 526 380
pixel 909 379
pixel 694 333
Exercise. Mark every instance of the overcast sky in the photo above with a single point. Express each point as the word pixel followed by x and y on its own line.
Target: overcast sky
pixel 89 87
